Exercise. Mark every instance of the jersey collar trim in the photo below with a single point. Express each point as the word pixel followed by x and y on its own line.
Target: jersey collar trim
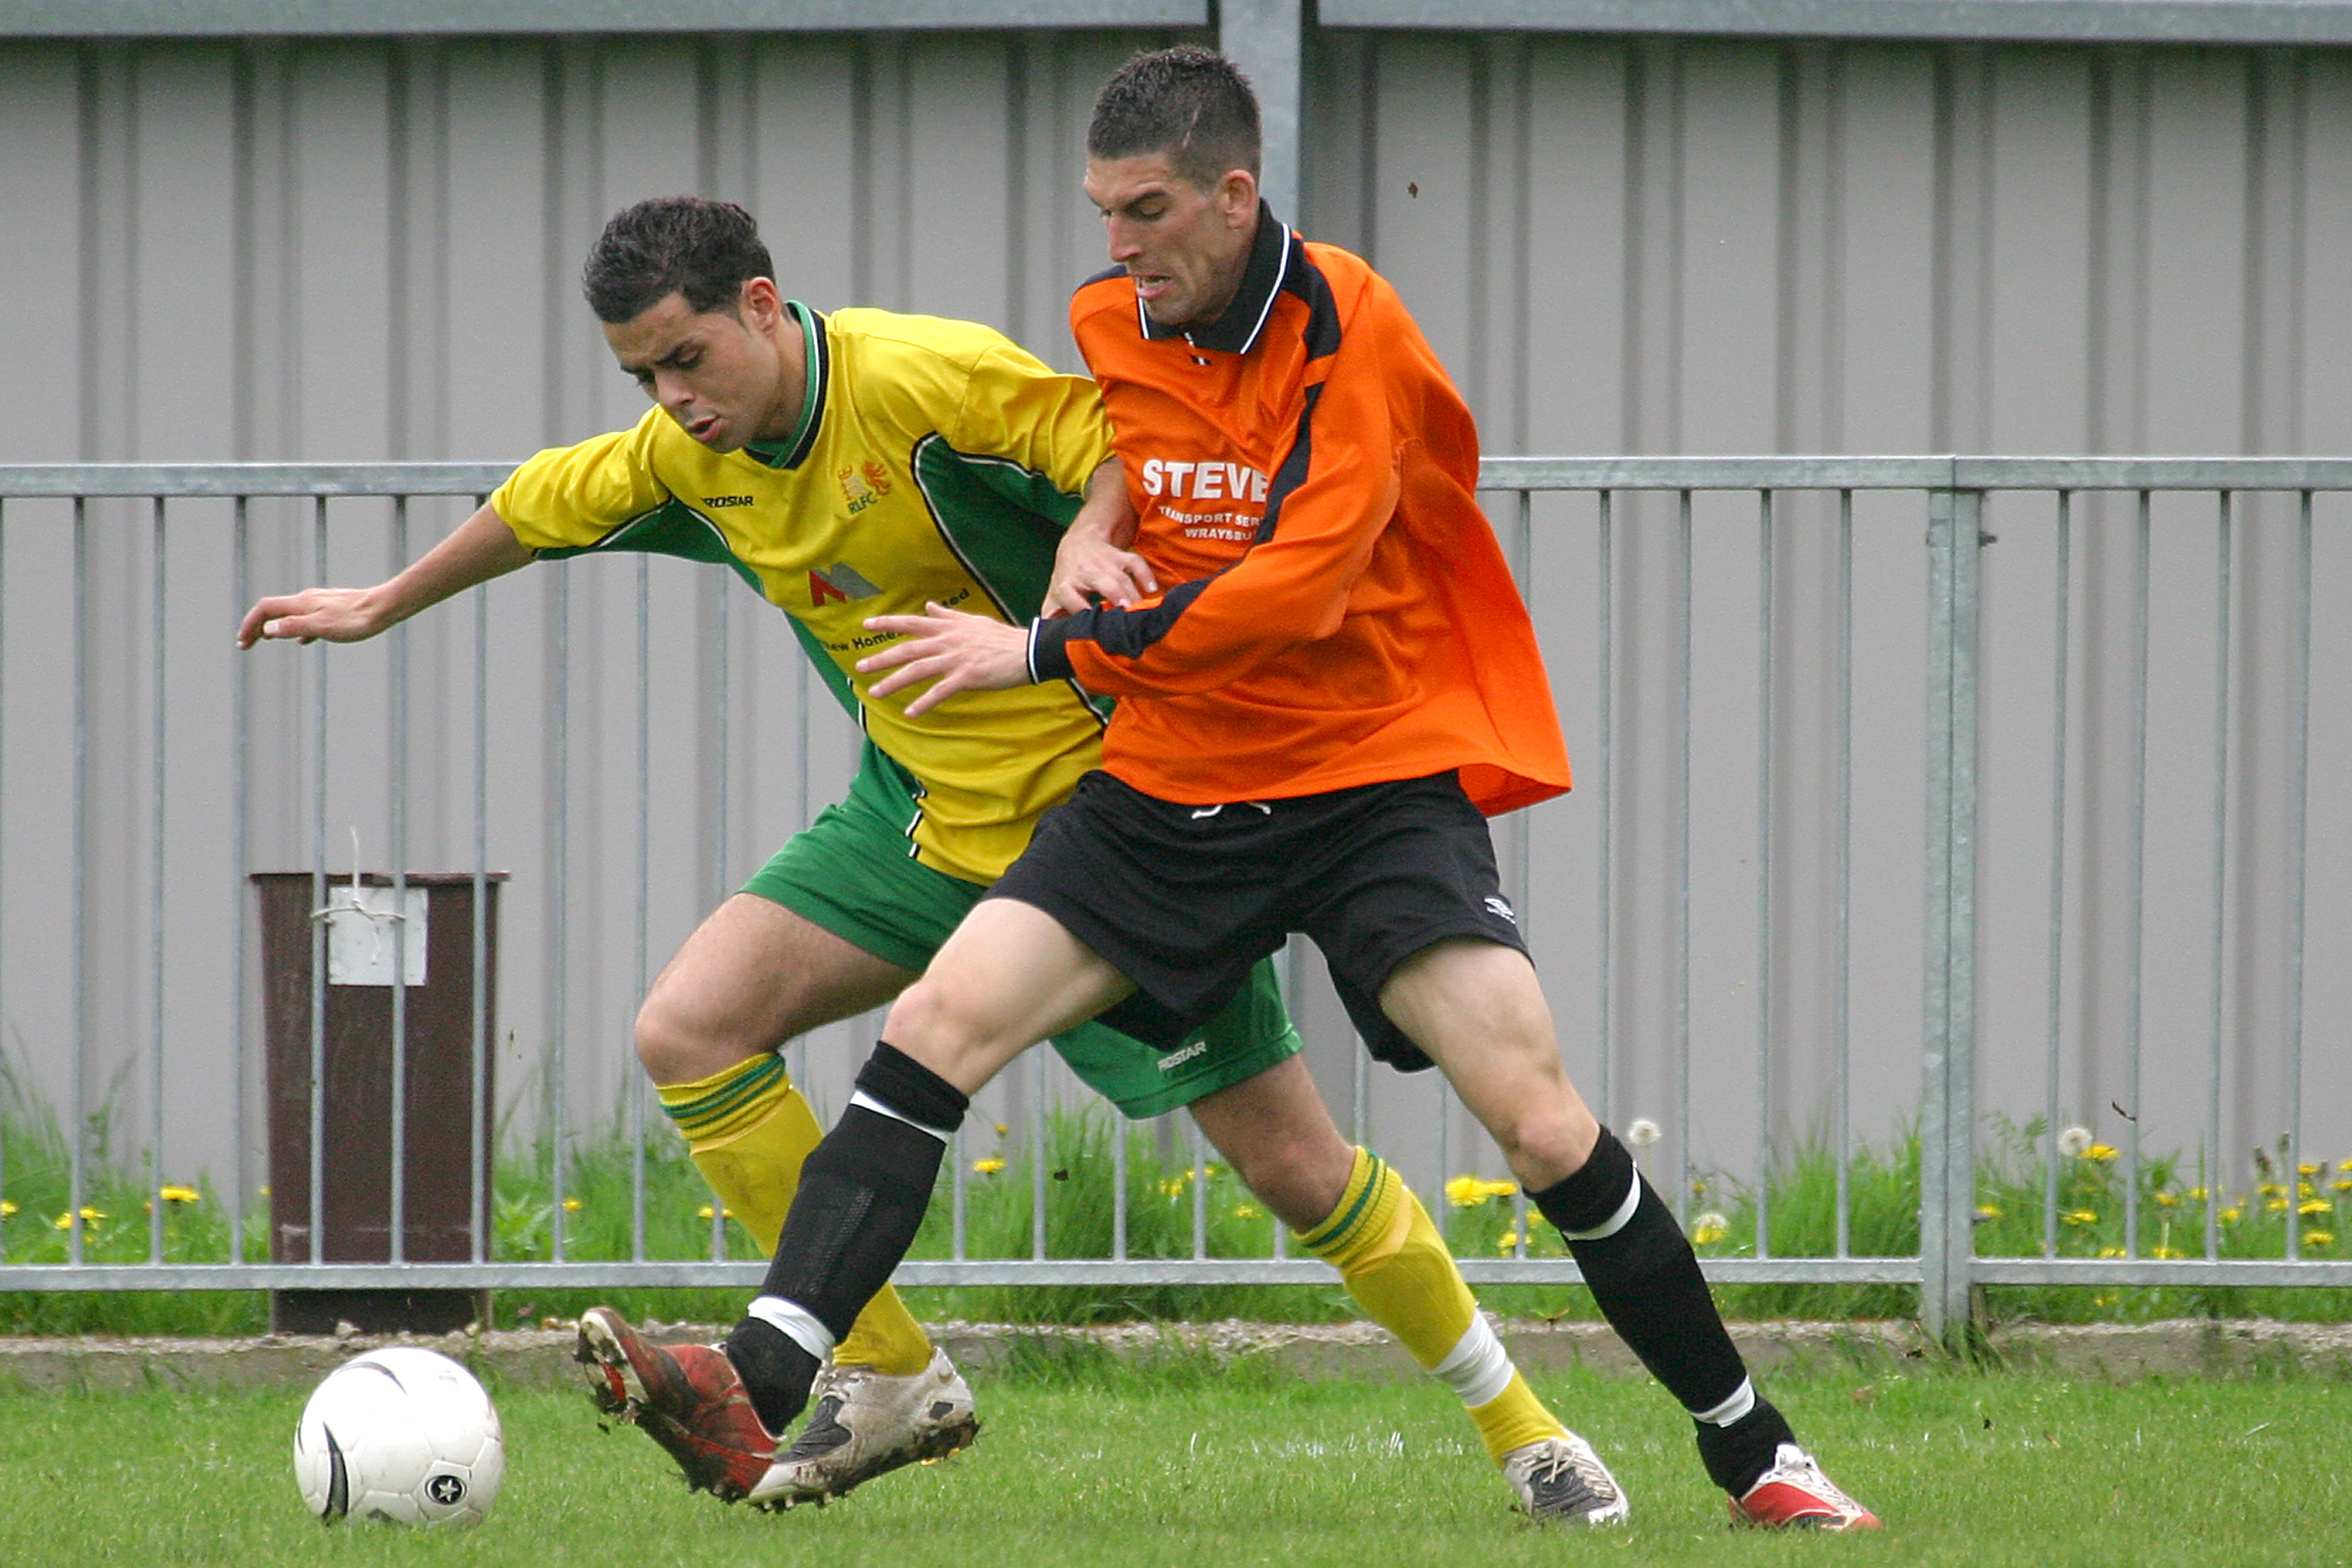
pixel 792 453
pixel 1236 332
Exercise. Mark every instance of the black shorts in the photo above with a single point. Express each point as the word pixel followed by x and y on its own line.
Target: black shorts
pixel 1183 899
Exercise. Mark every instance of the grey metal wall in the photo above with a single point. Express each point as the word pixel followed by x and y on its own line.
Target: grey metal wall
pixel 359 249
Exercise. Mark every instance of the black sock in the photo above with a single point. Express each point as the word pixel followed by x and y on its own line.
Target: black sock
pixel 1646 1278
pixel 772 1365
pixel 862 1196
pixel 1736 1454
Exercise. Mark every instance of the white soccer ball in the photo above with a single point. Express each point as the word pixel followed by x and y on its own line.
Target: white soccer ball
pixel 404 1436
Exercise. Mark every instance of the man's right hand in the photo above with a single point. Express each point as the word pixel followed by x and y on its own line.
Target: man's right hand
pixel 337 614
pixel 481 548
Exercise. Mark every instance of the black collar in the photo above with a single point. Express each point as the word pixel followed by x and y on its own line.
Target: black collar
pixel 1236 332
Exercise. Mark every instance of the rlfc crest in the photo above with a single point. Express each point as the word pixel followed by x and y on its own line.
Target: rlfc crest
pixel 862 484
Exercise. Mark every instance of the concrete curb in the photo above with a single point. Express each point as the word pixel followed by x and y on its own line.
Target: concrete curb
pixel 540 1358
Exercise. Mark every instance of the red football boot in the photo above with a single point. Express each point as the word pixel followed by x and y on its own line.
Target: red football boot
pixel 686 1397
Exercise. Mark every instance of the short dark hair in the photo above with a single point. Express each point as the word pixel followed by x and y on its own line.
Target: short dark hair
pixel 1190 104
pixel 704 249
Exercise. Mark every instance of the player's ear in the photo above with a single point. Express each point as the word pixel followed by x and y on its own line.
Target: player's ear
pixel 760 304
pixel 1236 197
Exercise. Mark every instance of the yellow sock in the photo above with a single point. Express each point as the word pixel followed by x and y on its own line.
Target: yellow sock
pixel 1396 1267
pixel 748 1130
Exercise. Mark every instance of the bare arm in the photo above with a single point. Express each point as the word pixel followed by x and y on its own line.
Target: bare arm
pixel 1093 561
pixel 481 548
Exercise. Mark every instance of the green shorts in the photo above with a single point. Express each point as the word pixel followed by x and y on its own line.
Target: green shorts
pixel 852 872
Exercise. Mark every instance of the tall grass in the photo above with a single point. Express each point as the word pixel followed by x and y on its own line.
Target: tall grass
pixel 599 1210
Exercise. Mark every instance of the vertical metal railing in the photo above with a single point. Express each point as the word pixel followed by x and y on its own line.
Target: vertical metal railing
pixel 1674 567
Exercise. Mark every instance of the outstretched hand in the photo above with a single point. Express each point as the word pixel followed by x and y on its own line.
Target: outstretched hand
pixel 336 615
pixel 952 650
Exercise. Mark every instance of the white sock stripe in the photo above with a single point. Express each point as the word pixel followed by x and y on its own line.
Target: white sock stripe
pixel 1615 1222
pixel 796 1324
pixel 878 1108
pixel 1478 1367
pixel 1742 1401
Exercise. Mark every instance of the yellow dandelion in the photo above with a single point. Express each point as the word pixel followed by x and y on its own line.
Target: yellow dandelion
pixel 7 1208
pixel 1708 1228
pixel 2196 1194
pixel 2320 1238
pixel 1988 1211
pixel 2111 1252
pixel 2303 1189
pixel 2231 1214
pixel 2315 1205
pixel 2276 1205
pixel 2269 1189
pixel 2308 1168
pixel 704 1213
pixel 2103 1301
pixel 2340 1185
pixel 2103 1152
pixel 1001 1130
pixel 90 1216
pixel 1173 1186
pixel 987 1167
pixel 1248 1211
pixel 2081 1216
pixel 2168 1199
pixel 571 1206
pixel 2163 1251
pixel 179 1195
pixel 1468 1192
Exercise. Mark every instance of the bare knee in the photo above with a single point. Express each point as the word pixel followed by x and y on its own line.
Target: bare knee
pixel 679 1043
pixel 1543 1127
pixel 1302 1186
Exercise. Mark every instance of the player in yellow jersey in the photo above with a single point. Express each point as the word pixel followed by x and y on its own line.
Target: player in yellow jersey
pixel 849 465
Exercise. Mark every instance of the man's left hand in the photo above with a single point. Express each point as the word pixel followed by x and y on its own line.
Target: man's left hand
pixel 954 651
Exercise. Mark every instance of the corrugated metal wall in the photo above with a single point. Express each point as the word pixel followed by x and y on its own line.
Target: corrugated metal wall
pixel 327 249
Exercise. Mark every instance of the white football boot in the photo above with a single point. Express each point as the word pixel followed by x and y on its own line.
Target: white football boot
pixel 1561 1480
pixel 862 1424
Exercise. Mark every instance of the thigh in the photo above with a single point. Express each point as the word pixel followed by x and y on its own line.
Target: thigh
pixel 755 974
pixel 1010 976
pixel 1476 1009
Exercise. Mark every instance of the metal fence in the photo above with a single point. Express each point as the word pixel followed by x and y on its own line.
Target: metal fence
pixel 2082 784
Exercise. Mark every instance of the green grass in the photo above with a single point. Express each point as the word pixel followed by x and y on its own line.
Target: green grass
pixel 1087 1462
pixel 1883 1185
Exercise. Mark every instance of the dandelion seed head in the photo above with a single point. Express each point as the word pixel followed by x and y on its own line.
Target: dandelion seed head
pixel 2074 1142
pixel 1643 1132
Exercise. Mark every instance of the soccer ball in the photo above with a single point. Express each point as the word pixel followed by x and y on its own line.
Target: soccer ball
pixel 400 1435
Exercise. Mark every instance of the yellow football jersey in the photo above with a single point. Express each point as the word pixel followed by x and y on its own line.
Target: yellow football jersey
pixel 935 461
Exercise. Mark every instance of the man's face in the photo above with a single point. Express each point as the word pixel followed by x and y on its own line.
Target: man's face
pixel 718 373
pixel 1185 247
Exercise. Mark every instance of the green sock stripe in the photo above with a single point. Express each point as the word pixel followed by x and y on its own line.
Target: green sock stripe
pixel 1330 1237
pixel 755 1079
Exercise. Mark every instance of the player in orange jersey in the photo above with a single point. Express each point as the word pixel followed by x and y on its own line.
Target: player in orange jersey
pixel 1312 725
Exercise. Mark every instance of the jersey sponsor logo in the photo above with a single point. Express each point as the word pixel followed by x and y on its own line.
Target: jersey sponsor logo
pixel 726 500
pixel 841 585
pixel 1202 481
pixel 1499 905
pixel 862 484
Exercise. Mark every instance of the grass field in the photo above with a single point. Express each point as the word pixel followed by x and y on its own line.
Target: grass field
pixel 1092 1462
